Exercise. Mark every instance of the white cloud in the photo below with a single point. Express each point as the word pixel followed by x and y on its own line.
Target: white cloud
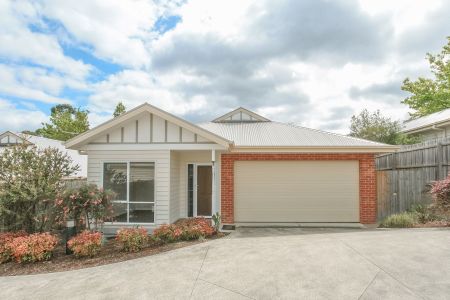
pixel 33 84
pixel 313 63
pixel 117 30
pixel 15 119
pixel 19 43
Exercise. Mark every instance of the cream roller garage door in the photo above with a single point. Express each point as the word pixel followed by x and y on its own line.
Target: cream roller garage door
pixel 296 191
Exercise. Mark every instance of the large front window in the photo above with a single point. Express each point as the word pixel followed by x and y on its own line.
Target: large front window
pixel 134 186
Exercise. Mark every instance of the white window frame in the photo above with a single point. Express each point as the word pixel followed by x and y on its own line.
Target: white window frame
pixel 127 201
pixel 194 204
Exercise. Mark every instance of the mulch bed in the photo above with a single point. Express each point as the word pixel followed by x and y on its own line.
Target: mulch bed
pixel 433 224
pixel 109 254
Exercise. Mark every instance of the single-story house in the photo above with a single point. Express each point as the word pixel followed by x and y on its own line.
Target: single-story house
pixel 9 138
pixel 431 127
pixel 242 165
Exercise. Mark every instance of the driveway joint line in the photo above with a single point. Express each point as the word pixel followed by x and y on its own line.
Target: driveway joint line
pixel 379 267
pixel 370 283
pixel 226 288
pixel 198 274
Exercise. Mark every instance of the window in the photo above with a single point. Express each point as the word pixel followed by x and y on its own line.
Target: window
pixel 134 185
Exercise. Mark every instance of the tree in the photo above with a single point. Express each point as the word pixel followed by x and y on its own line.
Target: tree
pixel 431 95
pixel 65 123
pixel 120 109
pixel 30 179
pixel 375 127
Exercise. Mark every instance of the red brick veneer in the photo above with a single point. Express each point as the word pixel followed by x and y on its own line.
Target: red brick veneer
pixel 367 179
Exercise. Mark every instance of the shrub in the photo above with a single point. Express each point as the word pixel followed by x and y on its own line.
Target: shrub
pixel 441 194
pixel 5 244
pixel 217 219
pixel 185 229
pixel 423 214
pixel 132 239
pixel 86 205
pixel 168 233
pixel 33 247
pixel 401 220
pixel 86 243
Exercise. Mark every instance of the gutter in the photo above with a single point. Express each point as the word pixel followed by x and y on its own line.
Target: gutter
pixel 434 126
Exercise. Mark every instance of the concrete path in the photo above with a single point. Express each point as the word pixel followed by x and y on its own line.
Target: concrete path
pixel 266 264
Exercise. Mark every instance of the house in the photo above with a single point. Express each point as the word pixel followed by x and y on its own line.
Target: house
pixel 246 167
pixel 9 138
pixel 431 127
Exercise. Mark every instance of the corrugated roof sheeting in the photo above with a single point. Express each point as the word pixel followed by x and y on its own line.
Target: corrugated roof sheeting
pixel 281 134
pixel 429 120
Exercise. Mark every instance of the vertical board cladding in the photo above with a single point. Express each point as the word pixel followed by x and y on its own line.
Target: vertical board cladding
pixel 96 158
pixel 367 179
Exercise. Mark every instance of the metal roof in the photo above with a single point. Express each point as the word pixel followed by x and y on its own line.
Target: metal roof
pixel 430 120
pixel 43 143
pixel 283 135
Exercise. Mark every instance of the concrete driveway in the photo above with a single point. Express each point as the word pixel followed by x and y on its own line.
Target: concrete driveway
pixel 266 264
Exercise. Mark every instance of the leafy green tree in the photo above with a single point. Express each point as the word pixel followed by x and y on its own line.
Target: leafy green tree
pixel 66 122
pixel 375 127
pixel 120 109
pixel 431 95
pixel 30 179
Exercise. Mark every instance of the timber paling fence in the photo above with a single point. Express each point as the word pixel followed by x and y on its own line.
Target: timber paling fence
pixel 404 177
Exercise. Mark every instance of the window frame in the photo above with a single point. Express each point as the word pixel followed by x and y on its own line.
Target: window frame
pixel 127 201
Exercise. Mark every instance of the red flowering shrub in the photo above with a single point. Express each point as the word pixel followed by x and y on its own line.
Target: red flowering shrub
pixel 168 233
pixel 5 244
pixel 132 239
pixel 86 243
pixel 441 194
pixel 33 247
pixel 193 228
pixel 186 229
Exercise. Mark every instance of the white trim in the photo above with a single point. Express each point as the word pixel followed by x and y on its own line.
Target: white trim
pixel 162 146
pixel 254 115
pixel 87 136
pixel 195 187
pixel 128 162
pixel 316 149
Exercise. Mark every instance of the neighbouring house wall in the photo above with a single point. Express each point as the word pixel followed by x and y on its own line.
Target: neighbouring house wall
pixel 367 179
pixel 186 157
pixel 162 174
pixel 429 135
pixel 174 187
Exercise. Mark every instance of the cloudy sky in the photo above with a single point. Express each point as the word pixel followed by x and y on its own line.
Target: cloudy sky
pixel 310 62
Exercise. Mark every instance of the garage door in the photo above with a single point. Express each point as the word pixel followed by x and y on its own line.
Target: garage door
pixel 296 191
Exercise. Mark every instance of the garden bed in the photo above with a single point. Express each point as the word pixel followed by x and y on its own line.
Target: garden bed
pixel 109 253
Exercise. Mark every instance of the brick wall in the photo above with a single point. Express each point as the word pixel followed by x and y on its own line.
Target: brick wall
pixel 367 179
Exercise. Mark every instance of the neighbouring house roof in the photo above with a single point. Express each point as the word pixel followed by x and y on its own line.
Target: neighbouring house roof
pixel 276 134
pixel 428 122
pixel 42 143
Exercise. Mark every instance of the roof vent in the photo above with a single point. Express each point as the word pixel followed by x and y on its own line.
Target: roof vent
pixel 240 115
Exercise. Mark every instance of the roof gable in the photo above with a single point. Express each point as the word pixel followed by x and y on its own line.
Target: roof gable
pixel 9 138
pixel 146 124
pixel 240 115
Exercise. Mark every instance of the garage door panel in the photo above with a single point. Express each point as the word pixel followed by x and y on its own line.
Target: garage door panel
pixel 296 191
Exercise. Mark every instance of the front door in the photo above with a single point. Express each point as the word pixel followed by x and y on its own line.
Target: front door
pixel 204 190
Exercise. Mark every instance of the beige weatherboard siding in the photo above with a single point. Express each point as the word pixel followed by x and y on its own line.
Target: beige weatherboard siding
pixel 96 159
pixel 296 191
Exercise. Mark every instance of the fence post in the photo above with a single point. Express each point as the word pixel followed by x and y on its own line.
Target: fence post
pixel 396 193
pixel 439 158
